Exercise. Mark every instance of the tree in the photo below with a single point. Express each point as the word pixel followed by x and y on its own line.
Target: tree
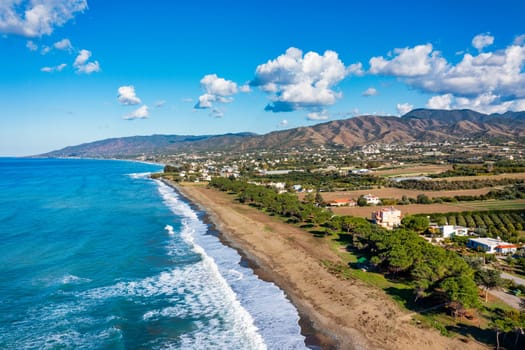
pixel 361 201
pixel 416 223
pixel 488 279
pixel 461 290
pixel 318 198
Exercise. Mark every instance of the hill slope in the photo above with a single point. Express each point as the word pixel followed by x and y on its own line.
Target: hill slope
pixel 417 125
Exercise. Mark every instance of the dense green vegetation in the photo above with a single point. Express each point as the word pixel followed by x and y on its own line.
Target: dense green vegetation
pixel 425 185
pixel 331 181
pixel 503 224
pixel 401 253
pixel 495 168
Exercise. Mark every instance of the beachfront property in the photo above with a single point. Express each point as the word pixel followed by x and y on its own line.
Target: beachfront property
pixel 387 217
pixel 492 245
pixel 343 203
pixel 371 199
pixel 448 231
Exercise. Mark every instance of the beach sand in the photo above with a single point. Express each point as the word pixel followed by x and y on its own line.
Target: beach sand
pixel 345 314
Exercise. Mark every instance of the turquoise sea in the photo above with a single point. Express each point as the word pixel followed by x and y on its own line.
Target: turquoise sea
pixel 96 255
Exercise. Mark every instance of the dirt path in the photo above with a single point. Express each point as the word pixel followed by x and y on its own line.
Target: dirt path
pixel 351 313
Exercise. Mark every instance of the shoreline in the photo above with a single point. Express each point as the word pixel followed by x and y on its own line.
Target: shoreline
pixel 314 339
pixel 334 313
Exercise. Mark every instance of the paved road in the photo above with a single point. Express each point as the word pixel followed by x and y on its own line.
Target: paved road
pixel 517 280
pixel 509 299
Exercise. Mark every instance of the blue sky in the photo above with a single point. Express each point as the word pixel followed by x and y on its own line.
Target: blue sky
pixel 78 71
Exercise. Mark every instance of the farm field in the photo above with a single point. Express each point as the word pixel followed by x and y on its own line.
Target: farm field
pixel 397 193
pixel 436 208
pixel 518 176
pixel 413 170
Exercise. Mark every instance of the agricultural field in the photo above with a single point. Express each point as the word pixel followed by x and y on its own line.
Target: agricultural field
pixel 409 209
pixel 412 209
pixel 413 170
pixel 398 193
pixel 517 176
pixel 507 225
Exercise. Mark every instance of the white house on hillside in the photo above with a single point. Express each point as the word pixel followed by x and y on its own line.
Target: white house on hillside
pixel 387 217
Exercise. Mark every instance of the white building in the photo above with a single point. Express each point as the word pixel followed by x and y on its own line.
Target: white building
pixel 387 217
pixel 448 231
pixel 492 245
pixel 371 199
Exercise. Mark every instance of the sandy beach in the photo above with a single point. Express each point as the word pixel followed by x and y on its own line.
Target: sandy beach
pixel 346 314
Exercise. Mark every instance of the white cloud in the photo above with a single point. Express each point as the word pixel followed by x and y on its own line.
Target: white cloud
pixel 45 50
pixel 370 92
pixel 187 100
pixel 323 115
pixel 36 18
pixel 127 96
pixel 496 74
pixel 83 66
pixel 440 102
pixel 519 40
pixel 484 103
pixel 481 41
pixel 58 68
pixel 245 88
pixel 283 123
pixel 216 90
pixel 404 108
pixel 409 62
pixel 31 45
pixel 140 113
pixel 63 44
pixel 299 82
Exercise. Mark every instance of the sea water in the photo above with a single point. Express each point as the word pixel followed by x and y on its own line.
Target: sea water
pixel 96 255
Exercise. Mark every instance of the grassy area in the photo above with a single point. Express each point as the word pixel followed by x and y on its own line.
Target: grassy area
pixel 492 204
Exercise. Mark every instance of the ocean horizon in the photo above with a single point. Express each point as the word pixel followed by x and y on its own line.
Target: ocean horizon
pixel 96 254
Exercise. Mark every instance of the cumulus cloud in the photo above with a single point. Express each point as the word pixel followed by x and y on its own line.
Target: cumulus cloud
pixel 283 123
pixel 126 95
pixel 322 115
pixel 496 74
pixel 409 62
pixel 83 65
pixel 140 113
pixel 404 108
pixel 215 90
pixel 36 18
pixel 440 102
pixel 370 92
pixel 297 82
pixel 63 44
pixel 58 68
pixel 481 41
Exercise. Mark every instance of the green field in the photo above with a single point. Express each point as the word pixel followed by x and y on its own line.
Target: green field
pixel 492 204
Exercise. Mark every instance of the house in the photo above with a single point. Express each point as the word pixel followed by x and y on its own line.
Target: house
pixel 387 217
pixel 492 245
pixel 343 203
pixel 448 231
pixel 371 200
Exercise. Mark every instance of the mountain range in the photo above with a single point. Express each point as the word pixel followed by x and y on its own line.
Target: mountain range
pixel 417 125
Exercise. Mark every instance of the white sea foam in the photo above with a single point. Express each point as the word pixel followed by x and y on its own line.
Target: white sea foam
pixel 263 305
pixel 169 228
pixel 72 279
pixel 139 175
